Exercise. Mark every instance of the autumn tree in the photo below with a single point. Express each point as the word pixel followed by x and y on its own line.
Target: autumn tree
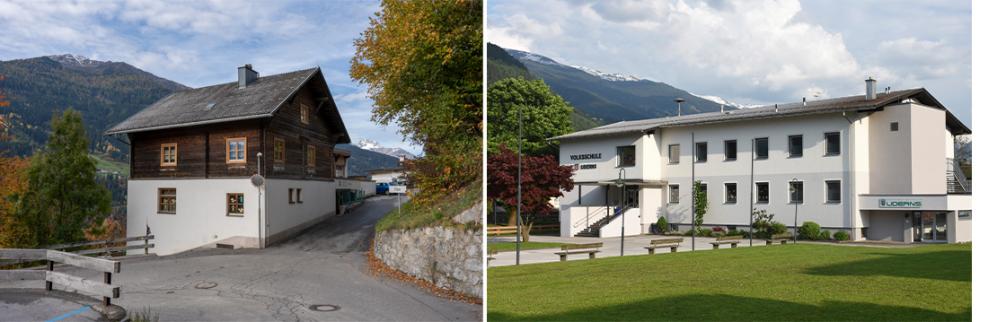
pixel 422 62
pixel 63 197
pixel 545 115
pixel 542 178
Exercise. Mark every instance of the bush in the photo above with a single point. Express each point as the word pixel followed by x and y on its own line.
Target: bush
pixel 662 225
pixel 706 232
pixel 778 228
pixel 841 235
pixel 825 235
pixel 810 230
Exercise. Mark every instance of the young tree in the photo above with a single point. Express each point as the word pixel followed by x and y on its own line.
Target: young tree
pixel 542 178
pixel 422 61
pixel 63 197
pixel 701 204
pixel 545 115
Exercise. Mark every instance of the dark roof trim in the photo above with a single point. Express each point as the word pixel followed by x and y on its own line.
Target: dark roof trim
pixel 187 124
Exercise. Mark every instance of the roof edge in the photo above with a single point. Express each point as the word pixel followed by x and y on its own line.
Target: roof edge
pixel 171 126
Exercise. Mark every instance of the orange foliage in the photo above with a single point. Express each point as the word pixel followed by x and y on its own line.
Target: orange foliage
pixel 13 180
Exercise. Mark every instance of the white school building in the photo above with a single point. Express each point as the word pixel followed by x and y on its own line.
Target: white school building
pixel 878 166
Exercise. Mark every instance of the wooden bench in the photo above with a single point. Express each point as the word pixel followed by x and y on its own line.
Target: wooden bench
pixel 780 238
pixel 671 243
pixel 573 249
pixel 732 240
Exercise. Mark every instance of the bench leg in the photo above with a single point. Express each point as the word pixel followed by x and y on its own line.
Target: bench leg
pixel 650 250
pixel 591 255
pixel 674 249
pixel 562 257
pixel 768 242
pixel 716 246
pixel 734 245
pixel 783 242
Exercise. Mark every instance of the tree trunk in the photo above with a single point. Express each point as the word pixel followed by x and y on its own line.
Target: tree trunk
pixel 526 232
pixel 512 221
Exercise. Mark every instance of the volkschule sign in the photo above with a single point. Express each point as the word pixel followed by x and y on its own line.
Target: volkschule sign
pixel 900 203
pixel 585 156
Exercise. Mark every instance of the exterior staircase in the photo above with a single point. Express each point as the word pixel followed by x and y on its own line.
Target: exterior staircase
pixel 957 182
pixel 594 230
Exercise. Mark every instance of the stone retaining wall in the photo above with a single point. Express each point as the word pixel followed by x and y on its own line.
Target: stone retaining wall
pixel 450 257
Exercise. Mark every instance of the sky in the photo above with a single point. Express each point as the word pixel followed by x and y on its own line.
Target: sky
pixel 201 43
pixel 755 52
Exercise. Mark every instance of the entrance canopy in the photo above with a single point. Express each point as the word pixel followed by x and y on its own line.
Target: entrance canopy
pixel 628 182
pixel 914 202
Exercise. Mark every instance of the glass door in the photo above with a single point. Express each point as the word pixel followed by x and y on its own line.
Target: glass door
pixel 929 226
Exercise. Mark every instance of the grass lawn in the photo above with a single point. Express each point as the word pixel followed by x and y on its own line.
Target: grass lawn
pixel 792 282
pixel 439 212
pixel 510 246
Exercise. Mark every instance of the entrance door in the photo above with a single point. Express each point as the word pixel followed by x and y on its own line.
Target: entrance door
pixel 930 226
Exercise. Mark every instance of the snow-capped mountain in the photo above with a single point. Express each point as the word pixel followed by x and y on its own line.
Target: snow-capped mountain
pixel 372 145
pixel 615 77
pixel 532 57
pixel 68 59
pixel 723 101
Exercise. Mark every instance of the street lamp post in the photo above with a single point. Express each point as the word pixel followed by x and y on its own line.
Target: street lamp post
pixel 795 205
pixel 621 209
pixel 520 147
pixel 751 200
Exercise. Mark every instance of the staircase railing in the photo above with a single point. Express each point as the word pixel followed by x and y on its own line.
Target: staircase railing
pixel 957 182
pixel 599 212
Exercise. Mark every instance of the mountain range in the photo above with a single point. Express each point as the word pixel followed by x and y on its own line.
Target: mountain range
pixel 601 96
pixel 106 93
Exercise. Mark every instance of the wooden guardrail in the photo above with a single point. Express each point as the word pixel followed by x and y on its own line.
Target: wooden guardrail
pixel 105 289
pixel 109 246
pixel 502 230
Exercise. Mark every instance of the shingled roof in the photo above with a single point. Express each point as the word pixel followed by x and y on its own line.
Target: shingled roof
pixel 225 103
pixel 841 104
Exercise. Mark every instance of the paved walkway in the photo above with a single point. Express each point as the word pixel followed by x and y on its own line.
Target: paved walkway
pixel 633 246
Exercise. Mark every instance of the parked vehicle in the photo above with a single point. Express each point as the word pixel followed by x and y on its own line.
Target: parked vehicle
pixel 382 188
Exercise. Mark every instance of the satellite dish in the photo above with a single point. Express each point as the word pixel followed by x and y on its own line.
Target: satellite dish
pixel 257 180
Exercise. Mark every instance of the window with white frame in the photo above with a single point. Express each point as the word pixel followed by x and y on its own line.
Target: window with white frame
pixel 729 150
pixel 730 192
pixel 626 156
pixel 761 192
pixel 761 148
pixel 833 191
pixel 674 193
pixel 833 144
pixel 674 153
pixel 796 192
pixel 795 146
pixel 701 152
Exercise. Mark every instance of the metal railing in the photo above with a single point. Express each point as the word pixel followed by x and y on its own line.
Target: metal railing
pixel 957 182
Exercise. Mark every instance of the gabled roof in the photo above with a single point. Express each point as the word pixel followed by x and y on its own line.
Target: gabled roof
pixel 842 104
pixel 226 102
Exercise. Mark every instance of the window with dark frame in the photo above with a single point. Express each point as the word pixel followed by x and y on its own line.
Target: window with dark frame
pixel 169 154
pixel 626 156
pixel 762 192
pixel 298 196
pixel 701 152
pixel 894 126
pixel 795 146
pixel 796 192
pixel 761 148
pixel 674 153
pixel 730 192
pixel 235 204
pixel 279 151
pixel 674 194
pixel 832 143
pixel 305 114
pixel 289 196
pixel 729 150
pixel 311 158
pixel 166 200
pixel 834 191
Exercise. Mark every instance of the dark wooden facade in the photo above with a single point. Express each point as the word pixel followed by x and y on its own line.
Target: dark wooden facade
pixel 202 150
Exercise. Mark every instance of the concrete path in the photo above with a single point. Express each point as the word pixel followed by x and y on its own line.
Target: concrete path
pixel 633 246
pixel 325 266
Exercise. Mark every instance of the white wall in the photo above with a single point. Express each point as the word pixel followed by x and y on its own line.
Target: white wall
pixel 614 228
pixel 318 200
pixel 200 217
pixel 368 187
pixel 573 220
pixel 386 177
pixel 607 165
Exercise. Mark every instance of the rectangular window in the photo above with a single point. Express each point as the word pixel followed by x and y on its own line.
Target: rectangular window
pixel 674 192
pixel 279 151
pixel 762 192
pixel 701 151
pixel 832 142
pixel 235 204
pixel 674 153
pixel 305 114
pixel 761 148
pixel 626 156
pixel 236 150
pixel 289 196
pixel 730 192
pixel 310 156
pixel 795 146
pixel 834 191
pixel 298 196
pixel 169 154
pixel 166 200
pixel 796 192
pixel 894 126
pixel 704 189
pixel 729 150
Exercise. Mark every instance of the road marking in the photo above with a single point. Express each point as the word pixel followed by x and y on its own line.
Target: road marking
pixel 82 309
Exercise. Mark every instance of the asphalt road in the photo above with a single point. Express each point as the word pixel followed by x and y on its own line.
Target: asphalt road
pixel 326 266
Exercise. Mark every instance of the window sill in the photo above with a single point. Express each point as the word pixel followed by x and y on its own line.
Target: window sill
pixel 761 202
pixel 728 160
pixel 626 166
pixel 759 159
pixel 795 156
pixel 700 161
pixel 832 155
pixel 235 215
pixel 730 203
pixel 796 202
pixel 832 202
pixel 165 213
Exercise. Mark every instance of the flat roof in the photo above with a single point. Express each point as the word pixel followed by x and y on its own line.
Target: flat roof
pixel 841 104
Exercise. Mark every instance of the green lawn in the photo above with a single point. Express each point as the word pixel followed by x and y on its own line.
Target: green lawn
pixel 111 165
pixel 791 282
pixel 510 246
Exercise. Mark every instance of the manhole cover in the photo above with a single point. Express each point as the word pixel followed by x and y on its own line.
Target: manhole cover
pixel 205 285
pixel 324 307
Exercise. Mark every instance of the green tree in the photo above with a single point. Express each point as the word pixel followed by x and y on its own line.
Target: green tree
pixel 701 203
pixel 62 196
pixel 545 115
pixel 422 62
